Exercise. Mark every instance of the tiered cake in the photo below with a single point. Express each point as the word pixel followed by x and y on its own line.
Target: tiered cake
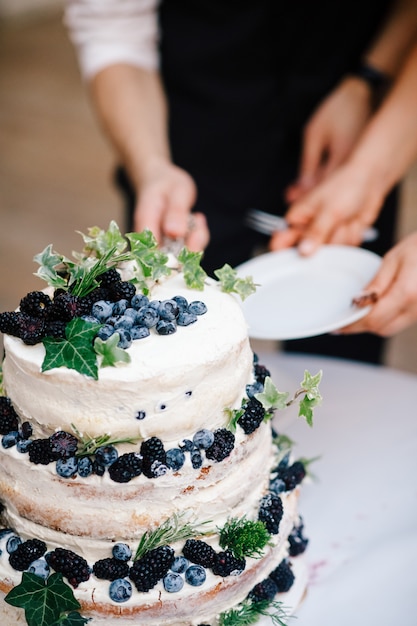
pixel 138 473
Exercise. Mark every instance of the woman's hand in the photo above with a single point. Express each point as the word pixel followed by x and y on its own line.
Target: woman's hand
pixel 331 133
pixel 166 196
pixel 395 287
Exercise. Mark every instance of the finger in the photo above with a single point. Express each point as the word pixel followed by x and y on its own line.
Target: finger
pixel 313 151
pixel 280 240
pixel 175 222
pixel 148 213
pixel 198 235
pixel 348 234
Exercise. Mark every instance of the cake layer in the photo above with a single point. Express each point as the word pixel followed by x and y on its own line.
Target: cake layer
pixel 179 383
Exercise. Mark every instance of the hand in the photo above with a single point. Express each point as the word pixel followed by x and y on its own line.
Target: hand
pixel 395 286
pixel 331 134
pixel 167 194
pixel 337 211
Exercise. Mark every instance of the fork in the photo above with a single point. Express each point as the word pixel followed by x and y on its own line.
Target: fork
pixel 267 223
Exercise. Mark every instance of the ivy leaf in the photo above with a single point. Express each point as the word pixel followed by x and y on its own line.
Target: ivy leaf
pixel 76 351
pixel 49 261
pixel 72 619
pixel 102 241
pixel 270 397
pixel 109 352
pixel 312 396
pixel 194 275
pixel 231 283
pixel 144 249
pixel 306 409
pixel 43 602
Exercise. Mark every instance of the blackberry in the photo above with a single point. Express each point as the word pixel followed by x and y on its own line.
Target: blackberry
pixel 261 373
pixel 63 444
pixel 9 323
pixel 35 304
pixel 226 564
pixel 109 277
pixel 31 329
pixel 265 590
pixel 126 467
pixel 8 417
pixel 97 468
pixel 152 450
pixel 122 290
pixel 110 569
pixel 283 576
pixel 148 570
pixel 199 552
pixel 69 564
pixel 26 553
pixel 55 328
pixel 270 512
pixel 252 417
pixel 40 452
pixel 26 430
pixel 66 306
pixel 224 442
pixel 293 475
pixel 298 543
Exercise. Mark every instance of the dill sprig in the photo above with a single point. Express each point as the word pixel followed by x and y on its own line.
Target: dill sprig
pixel 171 530
pixel 89 445
pixel 249 612
pixel 245 538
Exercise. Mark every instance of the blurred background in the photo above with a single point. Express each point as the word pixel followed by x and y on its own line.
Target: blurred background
pixel 55 166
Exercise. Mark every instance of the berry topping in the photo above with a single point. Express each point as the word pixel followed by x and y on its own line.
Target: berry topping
pixel 173 582
pixel 148 570
pixel 195 575
pixel 175 458
pixel 126 467
pixel 199 552
pixel 270 512
pixel 298 543
pixel 197 307
pixel 40 568
pixel 122 552
pixel 226 564
pixel 252 417
pixel 72 566
pixel 292 475
pixel 261 373
pixel 265 590
pixel 36 304
pixel 154 456
pixel 179 565
pixel 223 444
pixel 63 444
pixel 110 569
pixel 283 576
pixel 40 452
pixel 66 468
pixel 26 553
pixel 203 438
pixel 120 590
pixel 8 416
pixel 106 455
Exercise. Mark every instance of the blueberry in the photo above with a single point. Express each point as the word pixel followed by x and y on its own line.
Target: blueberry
pixel 277 485
pixel 98 469
pixel 120 590
pixel 13 543
pixel 175 458
pixel 140 415
pixel 139 332
pixel 180 564
pixel 181 302
pixel 168 310
pixel 10 440
pixel 130 312
pixel 203 438
pixel 196 458
pixel 166 328
pixel 195 575
pixel 6 531
pixel 197 307
pixel 102 309
pixel 122 552
pixel 91 319
pixel 40 568
pixel 67 467
pixel 125 340
pixel 158 469
pixel 147 316
pixel 120 307
pixel 187 445
pixel 105 332
pixel 85 467
pixel 173 582
pixel 125 322
pixel 185 318
pixel 154 304
pixel 106 455
pixel 139 300
pixel 251 390
pixel 23 444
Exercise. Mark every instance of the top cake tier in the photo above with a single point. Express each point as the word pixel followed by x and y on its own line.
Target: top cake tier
pixel 172 386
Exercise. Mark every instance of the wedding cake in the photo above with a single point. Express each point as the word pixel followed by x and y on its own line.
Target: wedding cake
pixel 140 479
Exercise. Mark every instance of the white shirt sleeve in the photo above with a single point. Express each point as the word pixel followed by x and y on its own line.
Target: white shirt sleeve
pixel 105 32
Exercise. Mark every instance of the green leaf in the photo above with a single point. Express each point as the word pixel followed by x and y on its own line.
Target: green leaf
pixel 49 261
pixel 144 250
pixel 102 241
pixel 270 397
pixel 306 409
pixel 42 601
pixel 76 351
pixel 245 538
pixel 109 352
pixel 194 275
pixel 249 612
pixel 72 619
pixel 231 283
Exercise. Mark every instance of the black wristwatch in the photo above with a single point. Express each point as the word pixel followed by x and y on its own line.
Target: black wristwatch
pixel 379 82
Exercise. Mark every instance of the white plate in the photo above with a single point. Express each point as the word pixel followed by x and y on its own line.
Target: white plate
pixel 306 296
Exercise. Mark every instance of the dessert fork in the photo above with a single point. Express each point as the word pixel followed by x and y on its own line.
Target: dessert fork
pixel 267 223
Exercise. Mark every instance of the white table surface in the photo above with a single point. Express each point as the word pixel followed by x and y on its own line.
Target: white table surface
pixel 360 513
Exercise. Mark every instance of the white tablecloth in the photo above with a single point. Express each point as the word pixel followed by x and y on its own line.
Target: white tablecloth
pixel 361 513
